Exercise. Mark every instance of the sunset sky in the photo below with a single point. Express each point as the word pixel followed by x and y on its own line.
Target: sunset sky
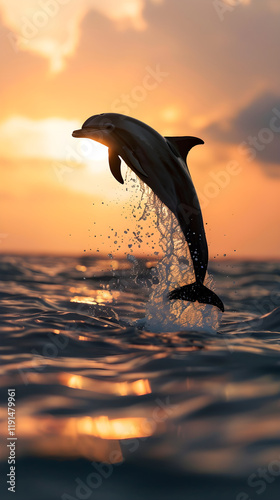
pixel 194 67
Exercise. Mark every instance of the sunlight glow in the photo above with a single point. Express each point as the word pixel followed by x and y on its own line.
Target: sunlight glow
pixel 50 138
pixel 170 114
pixel 92 150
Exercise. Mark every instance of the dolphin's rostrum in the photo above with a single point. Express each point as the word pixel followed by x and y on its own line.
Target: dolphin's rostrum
pixel 160 162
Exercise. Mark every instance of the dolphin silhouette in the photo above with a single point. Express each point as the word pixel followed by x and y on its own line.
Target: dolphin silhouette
pixel 160 162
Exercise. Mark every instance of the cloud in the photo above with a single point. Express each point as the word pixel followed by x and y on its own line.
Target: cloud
pixel 210 69
pixel 51 27
pixel 256 126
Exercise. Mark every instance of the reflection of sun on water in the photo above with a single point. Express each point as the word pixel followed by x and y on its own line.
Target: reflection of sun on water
pixel 82 269
pixel 139 387
pixel 75 381
pixel 98 297
pixel 119 428
pixel 83 338
pixel 83 300
pixel 93 436
pixel 136 387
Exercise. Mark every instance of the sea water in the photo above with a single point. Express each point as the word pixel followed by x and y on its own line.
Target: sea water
pixel 120 393
pixel 108 410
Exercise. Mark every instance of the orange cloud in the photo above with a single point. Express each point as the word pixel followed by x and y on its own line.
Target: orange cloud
pixel 51 27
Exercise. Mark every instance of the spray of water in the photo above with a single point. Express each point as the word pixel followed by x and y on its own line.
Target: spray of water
pixel 175 269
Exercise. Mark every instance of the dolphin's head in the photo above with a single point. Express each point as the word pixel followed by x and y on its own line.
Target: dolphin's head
pixel 113 129
pixel 100 128
pixel 121 135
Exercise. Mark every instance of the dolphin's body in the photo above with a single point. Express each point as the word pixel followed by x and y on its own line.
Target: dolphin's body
pixel 160 163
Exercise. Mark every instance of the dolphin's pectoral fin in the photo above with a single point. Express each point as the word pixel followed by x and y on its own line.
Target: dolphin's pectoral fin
pixel 196 292
pixel 133 161
pixel 184 144
pixel 115 165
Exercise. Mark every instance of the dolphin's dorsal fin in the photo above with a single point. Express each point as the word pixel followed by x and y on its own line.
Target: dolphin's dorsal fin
pixel 115 165
pixel 184 144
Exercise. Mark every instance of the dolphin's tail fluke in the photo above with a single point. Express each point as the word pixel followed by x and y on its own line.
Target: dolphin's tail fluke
pixel 196 292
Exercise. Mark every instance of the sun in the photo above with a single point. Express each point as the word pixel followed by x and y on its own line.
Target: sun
pixel 91 150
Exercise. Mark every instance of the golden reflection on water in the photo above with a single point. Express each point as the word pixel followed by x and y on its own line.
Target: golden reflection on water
pixel 83 300
pixel 101 426
pixel 75 381
pixel 73 437
pixel 82 269
pixel 137 387
pixel 93 437
pixel 97 297
pixel 83 338
pixel 119 428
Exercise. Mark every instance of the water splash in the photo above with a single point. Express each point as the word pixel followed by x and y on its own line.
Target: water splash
pixel 175 269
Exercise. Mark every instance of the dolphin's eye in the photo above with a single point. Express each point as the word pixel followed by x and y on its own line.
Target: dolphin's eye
pixel 109 126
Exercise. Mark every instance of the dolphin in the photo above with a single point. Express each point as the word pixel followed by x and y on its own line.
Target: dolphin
pixel 160 162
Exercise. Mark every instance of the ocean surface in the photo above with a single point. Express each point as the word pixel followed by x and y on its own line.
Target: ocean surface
pixel 111 405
